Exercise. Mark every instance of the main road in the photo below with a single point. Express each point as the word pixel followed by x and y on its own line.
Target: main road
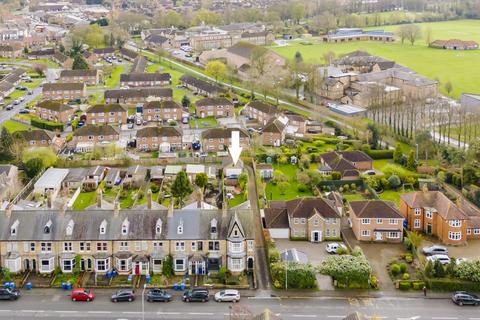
pixel 55 304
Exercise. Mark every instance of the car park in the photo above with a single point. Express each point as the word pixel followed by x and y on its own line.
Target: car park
pixel 81 294
pixel 196 295
pixel 227 296
pixel 442 258
pixel 123 295
pixel 9 294
pixel 435 249
pixel 156 294
pixel 465 298
pixel 334 246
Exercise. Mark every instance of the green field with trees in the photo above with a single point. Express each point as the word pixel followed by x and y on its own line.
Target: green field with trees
pixel 461 68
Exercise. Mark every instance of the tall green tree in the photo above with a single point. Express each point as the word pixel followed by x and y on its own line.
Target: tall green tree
pixel 216 69
pixel 33 167
pixel 397 154
pixel 181 186
pixel 6 144
pixel 201 180
pixel 411 164
pixel 79 63
pixel 374 135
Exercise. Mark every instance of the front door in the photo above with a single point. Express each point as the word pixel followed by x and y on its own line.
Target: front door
pixel 378 236
pixel 137 268
pixel 250 263
pixel 89 264
pixel 315 236
pixel 429 228
pixel 34 264
pixel 27 265
pixel 82 265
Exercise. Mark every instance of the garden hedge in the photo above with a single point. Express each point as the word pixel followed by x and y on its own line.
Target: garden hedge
pixel 380 154
pixel 452 285
pixel 42 124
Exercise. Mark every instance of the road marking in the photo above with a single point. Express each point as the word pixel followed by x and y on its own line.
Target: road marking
pixel 65 311
pixel 5 310
pixel 131 312
pixel 167 313
pixel 201 313
pixel 444 318
pixel 105 312
pixel 336 317
pixel 354 302
pixel 32 311
pixel 304 315
pixel 367 302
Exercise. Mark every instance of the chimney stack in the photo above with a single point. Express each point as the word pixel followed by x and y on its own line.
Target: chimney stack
pixel 99 198
pixel 49 199
pixel 199 198
pixel 149 199
pixel 8 209
pixel 224 208
pixel 116 207
pixel 170 207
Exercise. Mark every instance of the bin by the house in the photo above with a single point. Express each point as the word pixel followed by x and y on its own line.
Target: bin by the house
pixel 175 286
pixel 129 279
pixel 182 286
pixel 64 285
pixel 6 284
pixel 147 278
pixel 12 285
pixel 68 286
pixel 28 286
pixel 114 273
pixel 109 274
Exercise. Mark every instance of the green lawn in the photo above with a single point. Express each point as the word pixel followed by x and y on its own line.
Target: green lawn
pixel 13 126
pixel 127 202
pixel 208 122
pixel 386 165
pixel 272 191
pixel 84 200
pixel 238 199
pixel 113 80
pixel 353 196
pixel 459 67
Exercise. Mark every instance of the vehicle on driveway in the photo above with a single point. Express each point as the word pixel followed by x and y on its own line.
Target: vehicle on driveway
pixel 334 246
pixel 435 249
pixel 227 296
pixel 465 298
pixel 442 258
pixel 156 294
pixel 9 107
pixel 81 294
pixel 196 295
pixel 123 295
pixel 9 294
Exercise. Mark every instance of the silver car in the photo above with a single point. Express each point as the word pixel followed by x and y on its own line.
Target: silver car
pixel 227 296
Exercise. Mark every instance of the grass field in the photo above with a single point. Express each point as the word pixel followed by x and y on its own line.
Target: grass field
pixel 289 170
pixel 13 126
pixel 461 68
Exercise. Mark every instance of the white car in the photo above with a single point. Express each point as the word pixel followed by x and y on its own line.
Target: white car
pixel 461 260
pixel 227 296
pixel 334 246
pixel 443 258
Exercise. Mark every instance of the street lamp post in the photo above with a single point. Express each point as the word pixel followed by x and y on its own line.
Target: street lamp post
pixel 143 301
pixel 286 270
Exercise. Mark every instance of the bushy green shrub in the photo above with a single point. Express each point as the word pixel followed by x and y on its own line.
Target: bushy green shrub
pixel 450 285
pixel 300 276
pixel 380 154
pixel 404 285
pixel 395 269
pixel 409 258
pixel 468 270
pixel 47 125
pixel 403 267
pixel 406 276
pixel 302 188
pixel 418 285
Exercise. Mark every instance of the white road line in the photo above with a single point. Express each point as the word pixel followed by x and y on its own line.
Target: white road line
pixel 131 312
pixel 105 312
pixel 473 318
pixel 336 317
pixel 201 313
pixel 65 311
pixel 168 313
pixel 5 310
pixel 304 315
pixel 444 318
pixel 40 311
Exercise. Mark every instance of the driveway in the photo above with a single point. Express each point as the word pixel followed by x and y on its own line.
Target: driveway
pixel 470 251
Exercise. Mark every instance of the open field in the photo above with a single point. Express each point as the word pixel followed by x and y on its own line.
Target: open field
pixel 13 126
pixel 461 68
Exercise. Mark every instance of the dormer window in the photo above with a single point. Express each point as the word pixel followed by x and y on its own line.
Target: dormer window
pixel 103 227
pixel 14 227
pixel 70 226
pixel 180 227
pixel 213 226
pixel 48 227
pixel 125 226
pixel 158 227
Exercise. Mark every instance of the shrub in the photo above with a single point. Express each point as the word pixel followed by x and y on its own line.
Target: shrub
pixel 395 269
pixel 302 188
pixel 394 181
pixel 380 154
pixel 349 270
pixel 403 267
pixel 409 258
pixel 405 276
pixel 418 285
pixel 450 285
pixel 404 285
pixel 342 250
pixel 48 125
pixel 154 188
pixel 468 270
pixel 300 276
pixel 374 281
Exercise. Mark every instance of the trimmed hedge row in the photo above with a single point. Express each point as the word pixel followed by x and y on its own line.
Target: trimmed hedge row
pixel 380 154
pixel 42 124
pixel 411 284
pixel 452 285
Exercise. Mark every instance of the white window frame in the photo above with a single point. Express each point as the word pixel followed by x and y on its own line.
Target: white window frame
pixel 365 233
pixel 365 220
pixel 418 211
pixel 455 235
pixel 416 223
pixel 179 246
pixel 455 223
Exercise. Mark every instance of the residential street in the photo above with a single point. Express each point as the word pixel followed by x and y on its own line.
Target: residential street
pixel 54 304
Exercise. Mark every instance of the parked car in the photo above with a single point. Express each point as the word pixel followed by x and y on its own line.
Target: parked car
pixel 443 258
pixel 81 294
pixel 123 295
pixel 227 296
pixel 16 102
pixel 9 294
pixel 195 295
pixel 9 107
pixel 465 298
pixel 334 246
pixel 24 111
pixel 130 125
pixel 156 294
pixel 435 249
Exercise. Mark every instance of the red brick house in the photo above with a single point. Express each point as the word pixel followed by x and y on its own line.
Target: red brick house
pixel 260 111
pixel 107 114
pixel 165 139
pixel 273 134
pixel 219 139
pixel 162 111
pixel 64 91
pixel 214 107
pixel 54 110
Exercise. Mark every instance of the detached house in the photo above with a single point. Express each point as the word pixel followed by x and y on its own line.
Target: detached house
pixel 219 139
pixel 214 107
pixel 273 134
pixel 64 91
pixel 52 110
pixel 107 114
pixel 376 220
pixel 348 163
pixel 260 111
pixel 162 111
pixel 90 77
pixel 165 139
pixel 312 219
pixel 433 213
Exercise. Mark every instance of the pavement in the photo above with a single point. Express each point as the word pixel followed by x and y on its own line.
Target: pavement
pixel 55 304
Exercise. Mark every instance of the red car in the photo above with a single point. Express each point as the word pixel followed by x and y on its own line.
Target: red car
pixel 81 294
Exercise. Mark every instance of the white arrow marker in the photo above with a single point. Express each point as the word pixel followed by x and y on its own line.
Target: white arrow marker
pixel 235 149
